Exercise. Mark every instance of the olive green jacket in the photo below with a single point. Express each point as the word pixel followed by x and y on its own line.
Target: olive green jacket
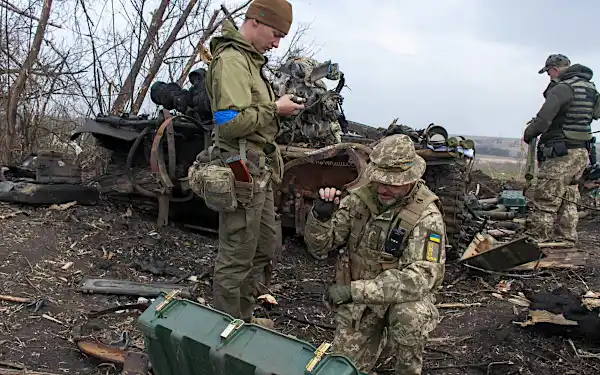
pixel 235 81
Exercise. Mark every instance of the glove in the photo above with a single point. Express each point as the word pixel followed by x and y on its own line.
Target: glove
pixel 339 294
pixel 323 210
pixel 326 203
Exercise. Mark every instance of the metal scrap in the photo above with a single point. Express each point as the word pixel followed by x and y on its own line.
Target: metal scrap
pixel 130 288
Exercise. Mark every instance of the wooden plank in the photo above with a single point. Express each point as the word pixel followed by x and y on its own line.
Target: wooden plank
pixel 557 259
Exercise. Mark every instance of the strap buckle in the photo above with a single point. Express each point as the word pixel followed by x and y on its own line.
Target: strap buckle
pixel 233 326
pixel 319 354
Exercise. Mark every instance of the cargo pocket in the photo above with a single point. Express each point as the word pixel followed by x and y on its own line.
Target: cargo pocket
pixel 244 192
pixel 195 178
pixel 218 188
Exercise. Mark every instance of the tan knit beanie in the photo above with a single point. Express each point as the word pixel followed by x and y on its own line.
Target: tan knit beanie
pixel 274 13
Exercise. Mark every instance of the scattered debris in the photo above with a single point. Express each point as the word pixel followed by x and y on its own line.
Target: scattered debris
pixel 565 313
pixel 14 299
pixel 267 298
pixel 457 305
pixel 63 207
pixel 476 308
pixel 542 316
pixel 52 319
pixel 45 177
pixel 484 252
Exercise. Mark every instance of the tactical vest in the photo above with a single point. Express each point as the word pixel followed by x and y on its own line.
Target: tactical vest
pixel 573 124
pixel 369 234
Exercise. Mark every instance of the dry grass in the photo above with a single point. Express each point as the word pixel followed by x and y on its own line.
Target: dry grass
pixel 501 168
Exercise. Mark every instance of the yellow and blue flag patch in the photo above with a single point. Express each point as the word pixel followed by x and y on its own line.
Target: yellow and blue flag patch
pixel 432 252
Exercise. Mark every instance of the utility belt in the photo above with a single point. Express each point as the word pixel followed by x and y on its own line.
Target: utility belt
pixel 256 163
pixel 556 149
pixel 226 180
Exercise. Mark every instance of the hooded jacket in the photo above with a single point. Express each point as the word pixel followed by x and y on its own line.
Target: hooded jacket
pixel 242 100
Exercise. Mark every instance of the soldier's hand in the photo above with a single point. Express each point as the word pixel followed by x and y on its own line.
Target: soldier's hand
pixel 339 294
pixel 287 107
pixel 324 207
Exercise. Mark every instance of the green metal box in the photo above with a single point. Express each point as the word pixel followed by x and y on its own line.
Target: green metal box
pixel 513 200
pixel 185 338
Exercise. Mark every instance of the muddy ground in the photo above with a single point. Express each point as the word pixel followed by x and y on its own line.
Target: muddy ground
pixel 104 241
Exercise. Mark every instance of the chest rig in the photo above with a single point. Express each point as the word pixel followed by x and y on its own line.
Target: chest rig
pixel 377 241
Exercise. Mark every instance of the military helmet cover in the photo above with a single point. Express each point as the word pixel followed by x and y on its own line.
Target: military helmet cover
pixel 394 161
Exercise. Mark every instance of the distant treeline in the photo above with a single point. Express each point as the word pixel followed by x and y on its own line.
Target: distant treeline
pixel 493 151
pixel 507 152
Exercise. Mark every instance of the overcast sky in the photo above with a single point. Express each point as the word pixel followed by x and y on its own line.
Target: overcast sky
pixel 469 65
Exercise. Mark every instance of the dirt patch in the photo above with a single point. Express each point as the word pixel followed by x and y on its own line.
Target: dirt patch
pixel 102 241
pixel 491 187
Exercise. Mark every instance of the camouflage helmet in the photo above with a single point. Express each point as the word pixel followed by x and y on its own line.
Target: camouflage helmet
pixel 394 161
pixel 556 60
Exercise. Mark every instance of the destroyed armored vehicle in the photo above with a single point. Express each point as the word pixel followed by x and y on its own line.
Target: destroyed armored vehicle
pixel 45 177
pixel 151 156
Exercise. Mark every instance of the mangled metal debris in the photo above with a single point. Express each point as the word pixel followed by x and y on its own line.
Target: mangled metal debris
pixel 486 253
pixel 45 177
pixel 563 312
pixel 122 351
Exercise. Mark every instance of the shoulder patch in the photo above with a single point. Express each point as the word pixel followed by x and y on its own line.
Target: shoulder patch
pixel 432 248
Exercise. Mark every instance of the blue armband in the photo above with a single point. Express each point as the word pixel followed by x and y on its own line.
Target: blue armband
pixel 225 115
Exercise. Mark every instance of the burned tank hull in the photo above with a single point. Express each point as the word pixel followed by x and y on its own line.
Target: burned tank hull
pixel 307 170
pixel 148 170
pixel 149 163
pixel 141 174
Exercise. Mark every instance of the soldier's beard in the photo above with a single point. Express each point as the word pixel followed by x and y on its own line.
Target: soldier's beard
pixel 387 202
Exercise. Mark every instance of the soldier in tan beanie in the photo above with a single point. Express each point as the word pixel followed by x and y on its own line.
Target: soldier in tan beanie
pixel 267 21
pixel 246 114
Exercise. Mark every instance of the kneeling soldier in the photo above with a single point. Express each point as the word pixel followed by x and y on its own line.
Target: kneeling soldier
pixel 395 237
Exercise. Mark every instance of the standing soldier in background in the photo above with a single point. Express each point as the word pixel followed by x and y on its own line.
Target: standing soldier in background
pixel 246 123
pixel 564 123
pixel 395 237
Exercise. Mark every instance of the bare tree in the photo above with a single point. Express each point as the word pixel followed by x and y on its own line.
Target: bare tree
pixel 17 89
pixel 62 64
pixel 158 59
pixel 127 89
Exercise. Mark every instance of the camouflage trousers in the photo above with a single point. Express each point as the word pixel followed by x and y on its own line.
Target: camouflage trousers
pixel 247 241
pixel 405 327
pixel 556 195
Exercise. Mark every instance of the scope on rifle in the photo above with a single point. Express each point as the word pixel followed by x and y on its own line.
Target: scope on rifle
pixel 171 96
pixel 192 102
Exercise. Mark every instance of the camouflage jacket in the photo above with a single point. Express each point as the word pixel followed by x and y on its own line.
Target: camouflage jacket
pixel 378 278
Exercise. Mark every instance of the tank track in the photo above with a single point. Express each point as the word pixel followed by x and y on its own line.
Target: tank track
pixel 450 180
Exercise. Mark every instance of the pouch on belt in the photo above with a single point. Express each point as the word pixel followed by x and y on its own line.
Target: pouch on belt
pixel 215 184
